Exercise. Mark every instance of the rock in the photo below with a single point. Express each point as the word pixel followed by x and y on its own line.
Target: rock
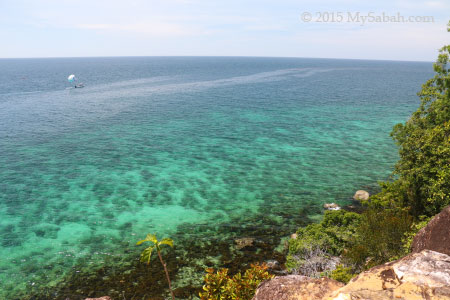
pixel 244 242
pixel 273 265
pixel 331 206
pixel 296 287
pixel 361 195
pixel 418 276
pixel 424 275
pixel 101 298
pixel 436 235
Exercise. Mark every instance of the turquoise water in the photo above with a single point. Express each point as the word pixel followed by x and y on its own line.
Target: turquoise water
pixel 181 147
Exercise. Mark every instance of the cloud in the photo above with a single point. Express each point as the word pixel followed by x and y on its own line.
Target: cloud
pixel 154 28
pixel 264 27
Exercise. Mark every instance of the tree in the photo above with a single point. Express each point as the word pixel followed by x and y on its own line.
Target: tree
pixel 147 254
pixel 423 171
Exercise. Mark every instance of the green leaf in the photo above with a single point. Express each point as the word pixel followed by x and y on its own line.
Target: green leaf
pixel 149 238
pixel 166 241
pixel 140 242
pixel 147 254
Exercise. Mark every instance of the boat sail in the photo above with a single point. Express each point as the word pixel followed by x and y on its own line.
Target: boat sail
pixel 72 79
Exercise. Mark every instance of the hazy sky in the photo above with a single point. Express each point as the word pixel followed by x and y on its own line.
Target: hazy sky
pixel 60 28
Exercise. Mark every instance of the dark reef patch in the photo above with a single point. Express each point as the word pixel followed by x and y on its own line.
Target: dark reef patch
pixel 9 236
pixel 196 248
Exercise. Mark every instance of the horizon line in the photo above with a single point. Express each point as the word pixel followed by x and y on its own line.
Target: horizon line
pixel 218 56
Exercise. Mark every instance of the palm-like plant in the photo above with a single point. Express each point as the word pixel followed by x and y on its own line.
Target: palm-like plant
pixel 147 253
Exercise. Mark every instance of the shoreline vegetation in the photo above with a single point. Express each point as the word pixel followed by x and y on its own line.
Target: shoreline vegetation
pixel 340 246
pixel 344 244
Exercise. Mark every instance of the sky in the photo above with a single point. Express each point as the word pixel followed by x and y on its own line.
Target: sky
pixel 79 28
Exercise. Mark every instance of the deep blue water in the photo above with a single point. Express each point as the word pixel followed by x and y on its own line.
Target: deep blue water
pixel 169 145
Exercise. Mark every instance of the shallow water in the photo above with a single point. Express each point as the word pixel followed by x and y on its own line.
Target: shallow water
pixel 182 147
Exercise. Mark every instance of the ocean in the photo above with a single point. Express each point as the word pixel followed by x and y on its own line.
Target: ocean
pixel 201 149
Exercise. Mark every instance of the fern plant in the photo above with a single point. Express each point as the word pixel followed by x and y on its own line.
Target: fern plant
pixel 147 254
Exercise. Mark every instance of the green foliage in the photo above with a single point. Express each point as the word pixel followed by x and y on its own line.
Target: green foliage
pixel 342 274
pixel 409 236
pixel 332 235
pixel 423 171
pixel 392 193
pixel 220 286
pixel 147 253
pixel 379 237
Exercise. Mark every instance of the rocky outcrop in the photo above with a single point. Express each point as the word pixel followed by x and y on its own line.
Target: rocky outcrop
pixel 361 195
pixel 424 275
pixel 436 235
pixel 296 287
pixel 331 206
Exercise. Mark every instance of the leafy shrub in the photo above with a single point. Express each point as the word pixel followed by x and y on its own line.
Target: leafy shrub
pixel 220 286
pixel 379 237
pixel 342 274
pixel 329 237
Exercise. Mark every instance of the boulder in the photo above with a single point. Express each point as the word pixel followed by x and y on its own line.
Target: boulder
pixel 296 287
pixel 101 298
pixel 331 206
pixel 436 235
pixel 424 275
pixel 361 195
